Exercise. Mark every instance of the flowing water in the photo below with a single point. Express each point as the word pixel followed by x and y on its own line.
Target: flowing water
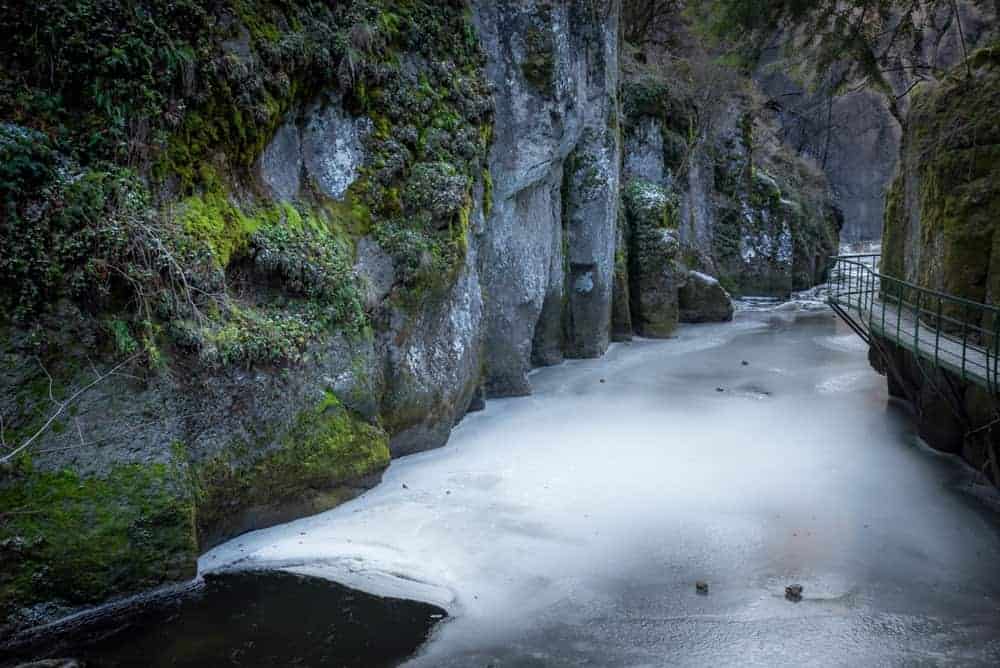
pixel 570 527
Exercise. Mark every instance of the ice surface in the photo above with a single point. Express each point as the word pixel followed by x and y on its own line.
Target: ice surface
pixel 570 527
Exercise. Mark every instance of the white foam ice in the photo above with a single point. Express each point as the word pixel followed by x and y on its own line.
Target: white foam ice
pixel 569 527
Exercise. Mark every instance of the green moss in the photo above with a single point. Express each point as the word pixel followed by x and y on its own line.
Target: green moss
pixel 651 206
pixel 212 219
pixel 894 230
pixel 82 540
pixel 325 448
pixel 487 192
pixel 949 180
pixel 651 97
pixel 539 66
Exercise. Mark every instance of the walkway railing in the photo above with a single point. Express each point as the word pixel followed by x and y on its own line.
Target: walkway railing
pixel 956 334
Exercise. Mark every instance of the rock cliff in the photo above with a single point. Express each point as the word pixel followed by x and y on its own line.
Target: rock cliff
pixel 262 248
pixel 853 132
pixel 941 232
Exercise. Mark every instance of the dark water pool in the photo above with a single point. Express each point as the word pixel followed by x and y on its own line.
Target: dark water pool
pixel 249 619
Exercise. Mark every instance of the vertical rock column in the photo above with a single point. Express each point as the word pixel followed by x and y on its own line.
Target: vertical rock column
pixel 548 248
pixel 591 185
pixel 553 66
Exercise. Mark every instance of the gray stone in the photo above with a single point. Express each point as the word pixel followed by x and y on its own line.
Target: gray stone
pixel 703 299
pixel 432 359
pixel 280 164
pixel 656 278
pixel 655 271
pixel 376 270
pixel 555 70
pixel 332 146
pixel 644 151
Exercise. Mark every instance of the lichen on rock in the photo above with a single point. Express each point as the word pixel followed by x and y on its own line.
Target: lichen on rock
pixel 655 268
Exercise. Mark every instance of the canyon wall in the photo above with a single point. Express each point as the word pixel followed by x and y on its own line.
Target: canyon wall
pixel 310 239
pixel 853 132
pixel 941 232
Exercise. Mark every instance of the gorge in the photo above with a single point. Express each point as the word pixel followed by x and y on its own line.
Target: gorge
pixel 256 250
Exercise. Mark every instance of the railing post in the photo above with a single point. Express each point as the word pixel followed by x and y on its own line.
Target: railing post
pixel 864 294
pixel 899 312
pixel 996 350
pixel 872 277
pixel 916 324
pixel 937 332
pixel 965 335
pixel 884 299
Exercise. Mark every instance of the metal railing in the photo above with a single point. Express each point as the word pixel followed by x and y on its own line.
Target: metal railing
pixel 956 334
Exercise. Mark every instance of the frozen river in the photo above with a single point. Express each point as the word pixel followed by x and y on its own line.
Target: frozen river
pixel 570 527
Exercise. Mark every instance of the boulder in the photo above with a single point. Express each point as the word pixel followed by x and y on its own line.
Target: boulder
pixel 703 299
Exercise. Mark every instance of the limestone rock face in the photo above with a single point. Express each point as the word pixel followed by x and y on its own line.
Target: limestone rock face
pixel 547 271
pixel 332 147
pixel 748 211
pixel 655 268
pixel 432 359
pixel 855 138
pixel 326 150
pixel 756 246
pixel 941 225
pixel 703 299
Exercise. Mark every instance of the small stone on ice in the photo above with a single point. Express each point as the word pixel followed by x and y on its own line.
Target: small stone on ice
pixel 701 587
pixel 404 486
pixel 720 389
pixel 793 593
pixel 745 363
pixel 602 380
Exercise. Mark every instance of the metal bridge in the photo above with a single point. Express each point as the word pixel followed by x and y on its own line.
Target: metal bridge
pixel 955 334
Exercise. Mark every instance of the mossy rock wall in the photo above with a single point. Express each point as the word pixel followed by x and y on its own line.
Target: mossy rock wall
pixel 71 540
pixel 943 210
pixel 140 228
pixel 655 265
pixel 323 459
pixel 752 213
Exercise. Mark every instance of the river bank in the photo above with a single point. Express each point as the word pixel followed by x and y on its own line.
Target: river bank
pixel 571 526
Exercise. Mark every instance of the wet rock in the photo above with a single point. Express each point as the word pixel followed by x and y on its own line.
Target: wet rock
pixel 703 299
pixel 793 593
pixel 52 663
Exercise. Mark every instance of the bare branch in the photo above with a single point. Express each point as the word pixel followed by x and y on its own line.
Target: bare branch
pixel 62 406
